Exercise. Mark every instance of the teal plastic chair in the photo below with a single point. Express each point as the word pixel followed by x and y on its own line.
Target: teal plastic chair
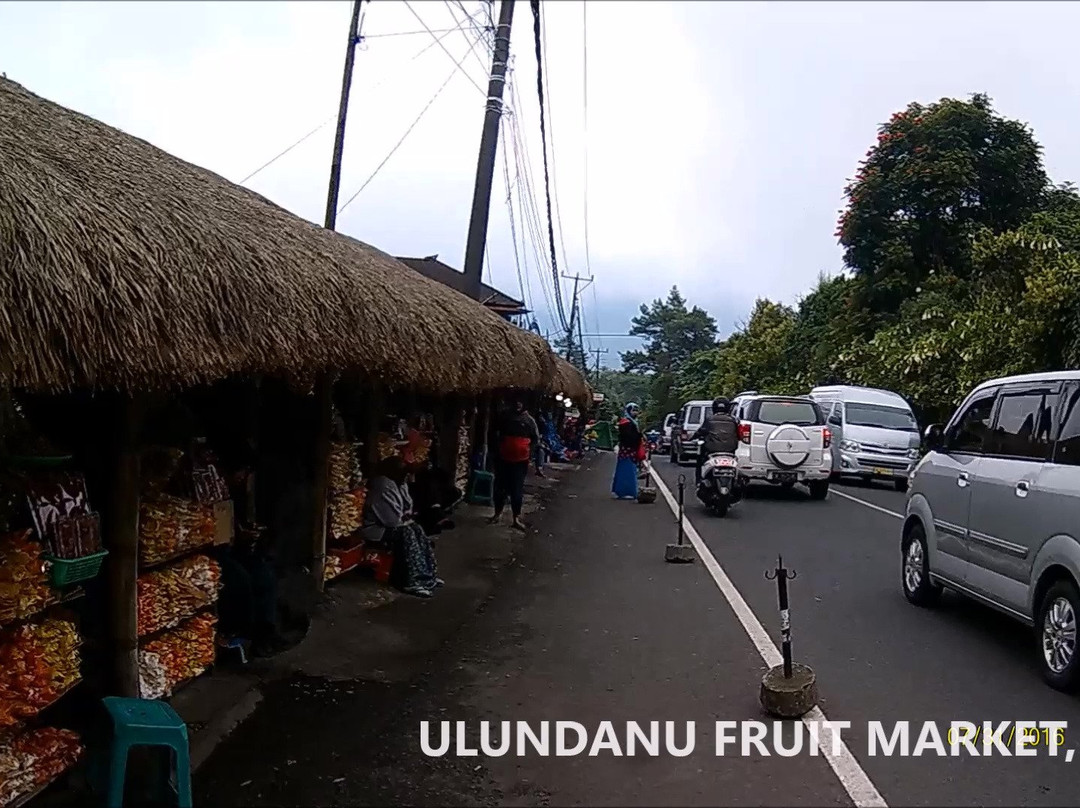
pixel 141 722
pixel 481 488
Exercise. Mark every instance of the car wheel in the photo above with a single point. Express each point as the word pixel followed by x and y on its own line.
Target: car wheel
pixel 819 489
pixel 915 571
pixel 1057 636
pixel 901 486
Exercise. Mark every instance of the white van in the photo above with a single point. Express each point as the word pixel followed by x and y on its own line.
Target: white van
pixel 875 435
pixel 687 420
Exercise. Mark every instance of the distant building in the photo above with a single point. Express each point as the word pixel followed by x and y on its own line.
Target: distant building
pixel 505 306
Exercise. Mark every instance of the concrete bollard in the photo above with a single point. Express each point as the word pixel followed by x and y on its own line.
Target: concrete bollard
pixel 788 690
pixel 680 553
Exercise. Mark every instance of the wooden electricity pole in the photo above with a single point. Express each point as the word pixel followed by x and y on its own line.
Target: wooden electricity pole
pixel 324 384
pixel 489 145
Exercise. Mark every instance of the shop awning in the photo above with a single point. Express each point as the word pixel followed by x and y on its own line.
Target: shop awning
pixel 122 266
pixel 568 380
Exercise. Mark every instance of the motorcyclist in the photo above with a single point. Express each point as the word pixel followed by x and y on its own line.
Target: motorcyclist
pixel 719 433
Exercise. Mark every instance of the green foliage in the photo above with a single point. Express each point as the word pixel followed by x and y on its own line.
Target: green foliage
pixel 937 175
pixel 965 265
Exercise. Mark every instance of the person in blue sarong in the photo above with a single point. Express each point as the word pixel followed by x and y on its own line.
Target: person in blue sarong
pixel 625 484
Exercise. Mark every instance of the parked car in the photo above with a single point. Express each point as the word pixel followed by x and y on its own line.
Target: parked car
pixel 875 435
pixel 993 511
pixel 665 433
pixel 784 440
pixel 690 416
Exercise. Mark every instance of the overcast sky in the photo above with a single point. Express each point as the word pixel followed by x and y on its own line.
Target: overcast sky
pixel 719 135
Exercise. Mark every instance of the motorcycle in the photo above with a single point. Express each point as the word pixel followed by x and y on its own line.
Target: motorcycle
pixel 720 485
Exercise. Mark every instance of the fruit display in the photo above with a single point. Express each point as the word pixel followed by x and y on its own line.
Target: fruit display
pixel 416 448
pixel 170 526
pixel 344 467
pixel 34 758
pixel 176 656
pixel 39 662
pixel 462 468
pixel 332 567
pixel 169 596
pixel 24 582
pixel 346 513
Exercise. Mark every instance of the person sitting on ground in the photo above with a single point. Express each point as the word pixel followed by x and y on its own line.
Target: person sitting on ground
pixel 434 497
pixel 388 519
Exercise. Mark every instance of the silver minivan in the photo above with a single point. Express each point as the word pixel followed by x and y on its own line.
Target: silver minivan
pixel 994 511
pixel 875 435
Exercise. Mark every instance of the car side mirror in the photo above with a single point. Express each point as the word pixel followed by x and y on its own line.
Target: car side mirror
pixel 934 437
pixel 835 420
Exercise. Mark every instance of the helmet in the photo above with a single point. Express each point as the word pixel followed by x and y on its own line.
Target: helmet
pixel 720 404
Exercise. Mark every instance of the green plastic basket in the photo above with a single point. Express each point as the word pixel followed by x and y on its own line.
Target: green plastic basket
pixel 67 571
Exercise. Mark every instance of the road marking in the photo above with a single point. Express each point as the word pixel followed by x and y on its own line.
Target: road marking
pixel 867 504
pixel 856 782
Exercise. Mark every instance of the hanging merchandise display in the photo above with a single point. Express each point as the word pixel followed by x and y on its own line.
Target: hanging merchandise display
pixel 462 467
pixel 24 579
pixel 169 596
pixel 171 526
pixel 176 656
pixel 34 758
pixel 39 662
pixel 345 509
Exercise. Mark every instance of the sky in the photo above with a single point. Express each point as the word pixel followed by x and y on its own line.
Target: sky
pixel 703 144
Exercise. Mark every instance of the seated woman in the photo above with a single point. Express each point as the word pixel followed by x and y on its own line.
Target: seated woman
pixel 388 519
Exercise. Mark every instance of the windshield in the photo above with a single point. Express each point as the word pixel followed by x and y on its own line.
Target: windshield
pixel 800 413
pixel 881 417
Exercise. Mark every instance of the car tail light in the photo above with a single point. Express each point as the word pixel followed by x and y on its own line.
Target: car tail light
pixel 744 433
pixel 826 436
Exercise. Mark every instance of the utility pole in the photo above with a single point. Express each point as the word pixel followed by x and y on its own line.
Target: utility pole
pixel 573 311
pixel 343 111
pixel 489 145
pixel 324 383
pixel 598 352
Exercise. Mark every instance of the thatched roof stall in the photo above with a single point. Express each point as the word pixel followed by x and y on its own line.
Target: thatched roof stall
pixel 568 380
pixel 122 266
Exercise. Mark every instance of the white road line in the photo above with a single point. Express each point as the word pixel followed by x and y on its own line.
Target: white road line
pixel 867 504
pixel 855 781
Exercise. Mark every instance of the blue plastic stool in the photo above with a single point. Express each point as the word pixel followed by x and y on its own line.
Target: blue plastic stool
pixel 481 488
pixel 141 722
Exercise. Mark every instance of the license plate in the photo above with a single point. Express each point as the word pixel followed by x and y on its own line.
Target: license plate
pixel 883 472
pixel 725 461
pixel 784 476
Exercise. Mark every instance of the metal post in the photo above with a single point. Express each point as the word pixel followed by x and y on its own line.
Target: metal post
pixel 682 486
pixel 782 576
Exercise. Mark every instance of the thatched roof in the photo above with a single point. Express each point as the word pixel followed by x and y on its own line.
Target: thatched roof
pixel 568 380
pixel 124 266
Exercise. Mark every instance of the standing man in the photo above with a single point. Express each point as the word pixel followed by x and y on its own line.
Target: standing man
pixel 537 441
pixel 719 433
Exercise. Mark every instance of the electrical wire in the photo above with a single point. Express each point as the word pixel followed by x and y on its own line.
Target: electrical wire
pixel 378 168
pixel 523 285
pixel 476 28
pixel 535 4
pixel 441 45
pixel 585 139
pixel 554 163
pixel 387 77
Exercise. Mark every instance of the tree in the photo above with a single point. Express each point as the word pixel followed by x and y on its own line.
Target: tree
pixel 674 334
pixel 937 175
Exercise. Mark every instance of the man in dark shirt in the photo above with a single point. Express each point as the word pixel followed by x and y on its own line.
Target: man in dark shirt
pixel 719 433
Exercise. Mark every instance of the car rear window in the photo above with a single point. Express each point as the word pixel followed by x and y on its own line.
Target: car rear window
pixel 801 413
pixel 693 416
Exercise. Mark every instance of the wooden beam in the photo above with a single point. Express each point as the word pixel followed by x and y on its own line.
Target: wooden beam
pixel 320 477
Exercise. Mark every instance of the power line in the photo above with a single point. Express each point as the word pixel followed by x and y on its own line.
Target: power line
pixel 585 139
pixel 333 117
pixel 412 126
pixel 441 45
pixel 476 28
pixel 547 176
pixel 554 164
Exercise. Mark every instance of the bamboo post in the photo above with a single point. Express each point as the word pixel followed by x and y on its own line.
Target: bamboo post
pixel 120 536
pixel 321 477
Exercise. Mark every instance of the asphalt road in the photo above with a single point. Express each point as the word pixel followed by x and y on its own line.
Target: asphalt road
pixel 590 625
pixel 878 658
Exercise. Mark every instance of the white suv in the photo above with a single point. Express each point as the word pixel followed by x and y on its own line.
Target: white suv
pixel 784 440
